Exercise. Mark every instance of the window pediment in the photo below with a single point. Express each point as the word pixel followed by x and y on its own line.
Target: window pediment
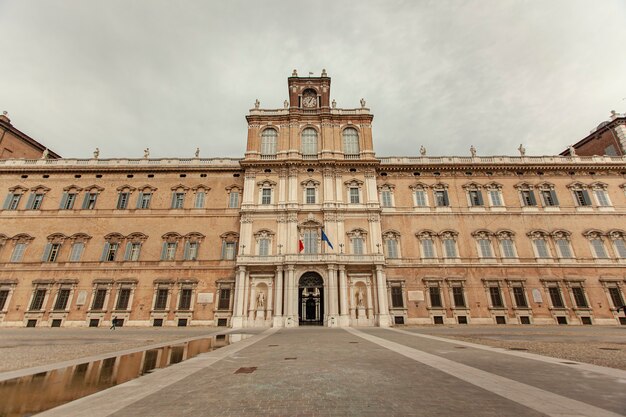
pixel 18 189
pixel 94 188
pixel 505 234
pixel 560 234
pixel 419 186
pixel 126 188
pixel 482 234
pixel 617 234
pixel 114 237
pixel 538 234
pixel 598 185
pixel 357 233
pixel 439 186
pixel 386 187
pixel 80 237
pixel 266 183
pixel 201 187
pixel 194 236
pixel 40 188
pixel 310 183
pixel 230 237
pixel 577 185
pixel 425 234
pixel 524 186
pixel 493 186
pixel 391 234
pixel 472 186
pixel 233 188
pixel 593 234
pixel 180 188
pixel 353 183
pixel 22 238
pixel 545 186
pixel 449 234
pixel 56 238
pixel 171 236
pixel 137 237
pixel 147 187
pixel 72 187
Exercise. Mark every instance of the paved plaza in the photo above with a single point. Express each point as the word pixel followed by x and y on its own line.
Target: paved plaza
pixel 370 372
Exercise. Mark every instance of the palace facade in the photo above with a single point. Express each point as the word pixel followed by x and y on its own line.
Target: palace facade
pixel 311 227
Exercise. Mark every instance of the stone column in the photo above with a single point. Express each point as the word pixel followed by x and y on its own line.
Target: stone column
pixel 332 297
pixel 381 287
pixel 252 303
pixel 268 304
pixel 278 302
pixel 237 320
pixel 370 299
pixel 344 319
pixel 291 319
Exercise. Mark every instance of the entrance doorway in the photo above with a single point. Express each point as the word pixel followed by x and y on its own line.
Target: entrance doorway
pixel 311 299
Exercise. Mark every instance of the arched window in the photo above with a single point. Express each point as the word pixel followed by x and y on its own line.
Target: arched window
pixel 350 141
pixel 268 142
pixel 309 142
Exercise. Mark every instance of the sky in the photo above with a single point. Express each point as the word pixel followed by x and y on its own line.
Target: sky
pixel 124 75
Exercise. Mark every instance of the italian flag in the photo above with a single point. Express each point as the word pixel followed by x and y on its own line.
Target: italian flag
pixel 300 245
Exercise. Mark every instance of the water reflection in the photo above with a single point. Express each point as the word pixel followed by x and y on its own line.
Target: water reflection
pixel 27 395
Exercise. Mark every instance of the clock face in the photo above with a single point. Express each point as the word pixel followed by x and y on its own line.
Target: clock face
pixel 309 100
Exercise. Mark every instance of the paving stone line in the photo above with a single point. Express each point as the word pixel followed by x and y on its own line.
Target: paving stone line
pixel 109 401
pixel 616 373
pixel 551 404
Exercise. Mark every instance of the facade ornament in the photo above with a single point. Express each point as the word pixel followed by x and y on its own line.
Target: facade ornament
pixel 96 153
pixel 473 151
pixel 522 150
pixel 362 103
pixel 294 73
pixel 146 153
pixel 286 104
pixel 324 72
pixel 334 104
pixel 292 218
pixel 257 103
pixel 572 151
pixel 422 150
pixel 197 153
pixel 614 115
pixel 45 153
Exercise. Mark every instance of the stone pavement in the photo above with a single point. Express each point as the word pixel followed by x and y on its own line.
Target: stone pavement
pixel 363 372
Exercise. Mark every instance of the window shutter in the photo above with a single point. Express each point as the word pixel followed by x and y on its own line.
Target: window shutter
pixel 479 196
pixel 531 197
pixel 105 251
pixel 86 201
pixel 129 246
pixel 139 200
pixel 173 198
pixel 164 251
pixel 7 201
pixel 63 201
pixel 199 199
pixel 223 249
pixel 46 252
pixel 586 198
pixel 29 203
pixel 555 200
pixel 446 202
pixel 186 251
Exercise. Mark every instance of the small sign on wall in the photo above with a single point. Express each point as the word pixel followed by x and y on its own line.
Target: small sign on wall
pixel 537 296
pixel 416 295
pixel 205 298
pixel 81 299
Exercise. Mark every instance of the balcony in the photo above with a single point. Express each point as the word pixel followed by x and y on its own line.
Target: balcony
pixel 310 258
pixel 353 156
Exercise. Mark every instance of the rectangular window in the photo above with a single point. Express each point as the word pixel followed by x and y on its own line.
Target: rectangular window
pixel 564 248
pixel 582 198
pixel 542 248
pixel 191 251
pixel 63 297
pixel 199 201
pixel 310 241
pixel 264 247
pixel 528 198
pixel 184 302
pixel 520 297
pixel 485 248
pixel 233 200
pixel 143 200
pixel 4 296
pixel 67 201
pixel 169 251
pixel 450 248
pixel 34 201
pixel 122 201
pixel 310 195
pixel 397 300
pixel 357 246
pixel 508 249
pixel 620 248
pixel 385 198
pixel 392 248
pixel 579 297
pixel 12 201
pixel 178 200
pixel 549 198
pixel 228 250
pixel 89 203
pixel 476 198
pixel 224 301
pixel 603 198
pixel 133 251
pixel 555 297
pixel 266 196
pixel 459 298
pixel 614 292
pixel 98 299
pixel 496 198
pixel 599 249
pixel 109 252
pixel 161 299
pixel 428 248
pixel 435 297
pixel 123 298
pixel 354 195
pixel 420 198
pixel 441 198
pixel 38 298
pixel 18 252
pixel 51 252
pixel 496 297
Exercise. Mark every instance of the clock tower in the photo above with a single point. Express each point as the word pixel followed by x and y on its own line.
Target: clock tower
pixel 309 92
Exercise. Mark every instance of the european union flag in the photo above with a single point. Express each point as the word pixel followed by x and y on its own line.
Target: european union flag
pixel 325 239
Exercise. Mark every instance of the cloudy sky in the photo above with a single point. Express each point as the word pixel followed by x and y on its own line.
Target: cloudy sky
pixel 123 75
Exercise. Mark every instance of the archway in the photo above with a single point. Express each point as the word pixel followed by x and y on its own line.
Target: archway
pixel 311 299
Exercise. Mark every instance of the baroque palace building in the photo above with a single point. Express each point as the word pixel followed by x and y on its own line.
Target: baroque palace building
pixel 311 227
